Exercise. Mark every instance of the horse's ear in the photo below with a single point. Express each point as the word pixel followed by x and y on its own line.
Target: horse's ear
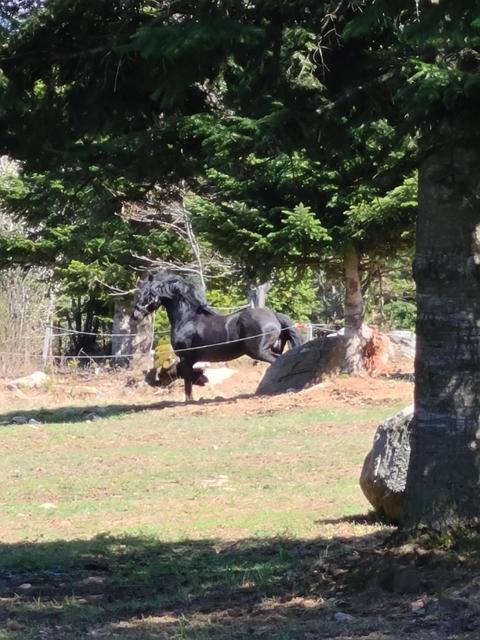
pixel 138 282
pixel 150 277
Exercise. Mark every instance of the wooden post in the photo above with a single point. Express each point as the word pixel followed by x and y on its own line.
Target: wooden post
pixel 257 295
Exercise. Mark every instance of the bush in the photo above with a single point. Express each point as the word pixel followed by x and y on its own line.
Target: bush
pixel 400 314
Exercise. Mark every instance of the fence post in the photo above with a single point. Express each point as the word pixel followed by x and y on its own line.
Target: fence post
pixel 309 331
pixel 47 344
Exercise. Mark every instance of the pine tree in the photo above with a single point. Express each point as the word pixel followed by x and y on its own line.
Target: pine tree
pixel 434 74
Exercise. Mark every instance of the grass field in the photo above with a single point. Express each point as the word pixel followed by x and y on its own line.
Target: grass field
pixel 186 477
pixel 154 525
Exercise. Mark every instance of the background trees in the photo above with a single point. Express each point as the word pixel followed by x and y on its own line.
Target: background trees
pixel 105 103
pixel 291 176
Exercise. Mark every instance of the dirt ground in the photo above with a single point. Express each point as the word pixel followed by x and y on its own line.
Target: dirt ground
pixel 235 395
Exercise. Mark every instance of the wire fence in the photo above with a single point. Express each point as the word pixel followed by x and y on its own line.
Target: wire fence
pixel 44 356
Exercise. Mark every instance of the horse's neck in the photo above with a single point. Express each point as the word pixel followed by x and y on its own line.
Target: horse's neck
pixel 179 312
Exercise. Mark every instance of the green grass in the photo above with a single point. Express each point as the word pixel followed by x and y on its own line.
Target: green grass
pixel 150 525
pixel 186 476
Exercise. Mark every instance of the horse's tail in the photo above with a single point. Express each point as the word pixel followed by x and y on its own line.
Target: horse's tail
pixel 289 332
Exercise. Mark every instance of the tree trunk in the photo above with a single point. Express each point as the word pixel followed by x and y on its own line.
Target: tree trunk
pixel 444 474
pixel 131 340
pixel 353 362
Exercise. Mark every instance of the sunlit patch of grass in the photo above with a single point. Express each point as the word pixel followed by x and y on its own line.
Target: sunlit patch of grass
pixel 136 527
pixel 197 475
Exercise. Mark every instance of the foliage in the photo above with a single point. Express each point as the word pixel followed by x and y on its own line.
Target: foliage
pixel 288 180
pixel 110 112
pixel 295 293
pixel 224 99
pixel 400 314
pixel 434 50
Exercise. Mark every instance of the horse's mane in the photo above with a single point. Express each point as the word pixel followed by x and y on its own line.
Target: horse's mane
pixel 192 294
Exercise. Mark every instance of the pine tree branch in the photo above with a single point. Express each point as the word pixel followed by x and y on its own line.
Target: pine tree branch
pixel 351 94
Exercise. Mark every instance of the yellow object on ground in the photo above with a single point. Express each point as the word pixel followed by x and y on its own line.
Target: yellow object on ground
pixel 164 357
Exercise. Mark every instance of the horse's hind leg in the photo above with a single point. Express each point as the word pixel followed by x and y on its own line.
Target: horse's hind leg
pixel 279 346
pixel 266 354
pixel 263 348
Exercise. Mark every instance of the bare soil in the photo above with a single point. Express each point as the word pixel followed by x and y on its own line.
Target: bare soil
pixel 234 395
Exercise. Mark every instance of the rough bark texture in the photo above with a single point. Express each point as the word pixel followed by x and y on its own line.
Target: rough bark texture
pixel 132 341
pixel 353 363
pixel 304 366
pixel 443 479
pixel 384 472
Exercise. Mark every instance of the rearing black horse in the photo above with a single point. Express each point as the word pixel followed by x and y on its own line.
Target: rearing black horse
pixel 199 333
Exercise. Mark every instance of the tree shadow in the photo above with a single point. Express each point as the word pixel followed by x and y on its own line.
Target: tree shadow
pixel 399 375
pixel 94 412
pixel 369 518
pixel 139 588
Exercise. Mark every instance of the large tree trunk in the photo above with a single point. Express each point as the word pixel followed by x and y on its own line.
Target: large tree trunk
pixel 353 361
pixel 443 484
pixel 131 340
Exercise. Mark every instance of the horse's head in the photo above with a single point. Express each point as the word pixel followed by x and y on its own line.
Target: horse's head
pixel 148 298
pixel 161 288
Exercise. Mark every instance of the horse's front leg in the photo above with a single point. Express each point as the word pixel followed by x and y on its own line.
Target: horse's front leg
pixel 187 373
pixel 188 390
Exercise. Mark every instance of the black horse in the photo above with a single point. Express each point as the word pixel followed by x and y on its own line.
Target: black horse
pixel 199 333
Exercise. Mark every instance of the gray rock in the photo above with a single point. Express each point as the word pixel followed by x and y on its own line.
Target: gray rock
pixel 403 343
pixel 91 417
pixel 384 472
pixel 303 366
pixel 35 380
pixel 340 616
pixel 18 420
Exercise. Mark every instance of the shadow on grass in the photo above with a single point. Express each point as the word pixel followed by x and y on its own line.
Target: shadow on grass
pixel 69 414
pixel 137 588
pixel 362 518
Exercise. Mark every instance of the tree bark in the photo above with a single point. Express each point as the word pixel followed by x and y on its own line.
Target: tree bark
pixel 353 361
pixel 444 473
pixel 131 340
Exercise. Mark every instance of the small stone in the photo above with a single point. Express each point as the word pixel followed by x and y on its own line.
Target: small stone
pixel 18 420
pixel 25 586
pixel 340 616
pixel 13 625
pixel 35 380
pixel 48 505
pixel 33 421
pixel 93 580
pixel 418 605
pixel 92 417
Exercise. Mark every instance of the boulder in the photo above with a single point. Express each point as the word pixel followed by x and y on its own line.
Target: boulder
pixel 304 366
pixel 35 380
pixel 403 343
pixel 384 472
